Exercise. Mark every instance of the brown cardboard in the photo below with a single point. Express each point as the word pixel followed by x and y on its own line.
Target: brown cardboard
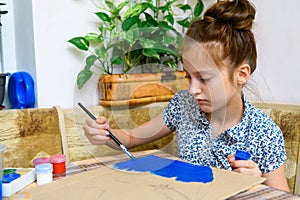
pixel 110 184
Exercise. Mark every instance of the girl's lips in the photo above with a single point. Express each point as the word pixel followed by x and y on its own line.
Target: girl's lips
pixel 201 101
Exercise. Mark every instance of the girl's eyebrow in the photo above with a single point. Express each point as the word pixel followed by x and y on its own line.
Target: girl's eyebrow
pixel 204 72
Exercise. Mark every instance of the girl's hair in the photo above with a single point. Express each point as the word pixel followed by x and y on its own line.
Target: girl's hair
pixel 225 32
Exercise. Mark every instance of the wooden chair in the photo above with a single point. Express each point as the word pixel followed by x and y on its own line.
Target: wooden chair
pixel 28 134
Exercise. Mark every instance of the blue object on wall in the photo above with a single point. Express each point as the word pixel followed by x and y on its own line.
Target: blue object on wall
pixel 21 90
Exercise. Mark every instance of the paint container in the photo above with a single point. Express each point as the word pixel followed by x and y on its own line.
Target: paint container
pixel 2 149
pixel 59 165
pixel 44 173
pixel 242 155
pixel 38 161
pixel 20 196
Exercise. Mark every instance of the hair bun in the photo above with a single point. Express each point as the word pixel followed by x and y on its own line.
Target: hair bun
pixel 237 13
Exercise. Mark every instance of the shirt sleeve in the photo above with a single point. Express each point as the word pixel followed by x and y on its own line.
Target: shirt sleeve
pixel 273 149
pixel 169 114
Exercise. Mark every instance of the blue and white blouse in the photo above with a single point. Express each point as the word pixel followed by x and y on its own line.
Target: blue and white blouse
pixel 256 133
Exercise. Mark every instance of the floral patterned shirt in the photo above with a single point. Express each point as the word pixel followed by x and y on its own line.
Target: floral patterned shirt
pixel 256 133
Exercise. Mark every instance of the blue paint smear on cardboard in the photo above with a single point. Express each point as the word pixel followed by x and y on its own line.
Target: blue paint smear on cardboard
pixel 182 171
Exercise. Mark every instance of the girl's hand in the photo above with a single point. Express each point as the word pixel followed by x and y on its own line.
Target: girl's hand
pixel 95 131
pixel 244 166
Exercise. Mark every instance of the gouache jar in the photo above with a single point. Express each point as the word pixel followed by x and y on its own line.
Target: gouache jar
pixel 59 164
pixel 38 161
pixel 44 173
pixel 2 149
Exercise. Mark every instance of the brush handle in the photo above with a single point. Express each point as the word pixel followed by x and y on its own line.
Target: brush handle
pixel 87 111
pixel 110 134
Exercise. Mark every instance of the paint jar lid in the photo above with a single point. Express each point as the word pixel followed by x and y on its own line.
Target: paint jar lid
pixel 9 171
pixel 44 168
pixel 58 158
pixel 7 178
pixel 20 196
pixel 242 155
pixel 39 161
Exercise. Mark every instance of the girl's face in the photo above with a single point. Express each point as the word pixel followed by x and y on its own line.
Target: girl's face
pixel 211 86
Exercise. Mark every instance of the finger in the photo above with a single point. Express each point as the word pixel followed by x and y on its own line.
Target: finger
pixel 98 139
pixel 101 120
pixel 90 123
pixel 247 171
pixel 243 163
pixel 230 158
pixel 90 131
pixel 96 135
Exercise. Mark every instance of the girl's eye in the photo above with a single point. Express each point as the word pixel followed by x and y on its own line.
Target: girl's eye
pixel 188 77
pixel 204 79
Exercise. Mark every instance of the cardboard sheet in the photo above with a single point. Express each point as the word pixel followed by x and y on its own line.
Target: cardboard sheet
pixel 107 183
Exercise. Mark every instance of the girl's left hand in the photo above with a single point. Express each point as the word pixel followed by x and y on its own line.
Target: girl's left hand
pixel 248 167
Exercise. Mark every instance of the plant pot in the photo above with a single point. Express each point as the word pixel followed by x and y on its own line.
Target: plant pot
pixel 133 89
pixel 2 88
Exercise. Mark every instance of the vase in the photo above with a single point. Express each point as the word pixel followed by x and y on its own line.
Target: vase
pixel 2 88
pixel 133 89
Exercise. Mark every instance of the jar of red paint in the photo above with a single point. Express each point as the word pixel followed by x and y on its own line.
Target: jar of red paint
pixel 59 164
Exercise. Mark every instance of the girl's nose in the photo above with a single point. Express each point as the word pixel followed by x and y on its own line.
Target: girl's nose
pixel 195 87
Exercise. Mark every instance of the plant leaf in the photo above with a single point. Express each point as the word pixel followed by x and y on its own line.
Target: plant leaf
pixel 122 5
pixel 103 16
pixel 168 39
pixel 198 8
pixel 111 6
pixel 150 53
pixel 128 36
pixel 163 49
pixel 164 25
pixel 3 12
pixel 94 37
pixel 172 64
pixel 129 22
pixel 167 6
pixel 116 60
pixel 170 18
pixel 150 19
pixel 80 42
pixel 147 43
pixel 184 7
pixel 101 53
pixel 82 77
pixel 136 10
pixel 164 8
pixel 184 23
pixel 89 62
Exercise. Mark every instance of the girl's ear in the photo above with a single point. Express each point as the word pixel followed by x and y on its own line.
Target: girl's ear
pixel 243 74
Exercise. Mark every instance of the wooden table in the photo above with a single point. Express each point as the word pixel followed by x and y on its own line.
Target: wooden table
pixel 259 192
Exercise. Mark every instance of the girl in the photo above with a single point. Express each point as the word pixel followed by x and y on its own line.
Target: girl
pixel 213 119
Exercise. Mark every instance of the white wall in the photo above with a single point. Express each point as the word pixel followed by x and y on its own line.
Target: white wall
pixel 277 33
pixel 57 63
pixel 55 22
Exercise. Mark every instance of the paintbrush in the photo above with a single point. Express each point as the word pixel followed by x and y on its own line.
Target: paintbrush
pixel 110 134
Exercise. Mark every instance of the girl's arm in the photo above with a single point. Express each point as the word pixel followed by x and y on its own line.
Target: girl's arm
pixel 96 132
pixel 277 179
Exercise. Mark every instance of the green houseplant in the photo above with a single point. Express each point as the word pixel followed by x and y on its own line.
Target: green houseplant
pixel 135 35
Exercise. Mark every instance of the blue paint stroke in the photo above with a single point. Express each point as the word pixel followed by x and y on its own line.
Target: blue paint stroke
pixel 182 171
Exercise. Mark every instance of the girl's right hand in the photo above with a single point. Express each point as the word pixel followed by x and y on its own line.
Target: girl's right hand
pixel 96 131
